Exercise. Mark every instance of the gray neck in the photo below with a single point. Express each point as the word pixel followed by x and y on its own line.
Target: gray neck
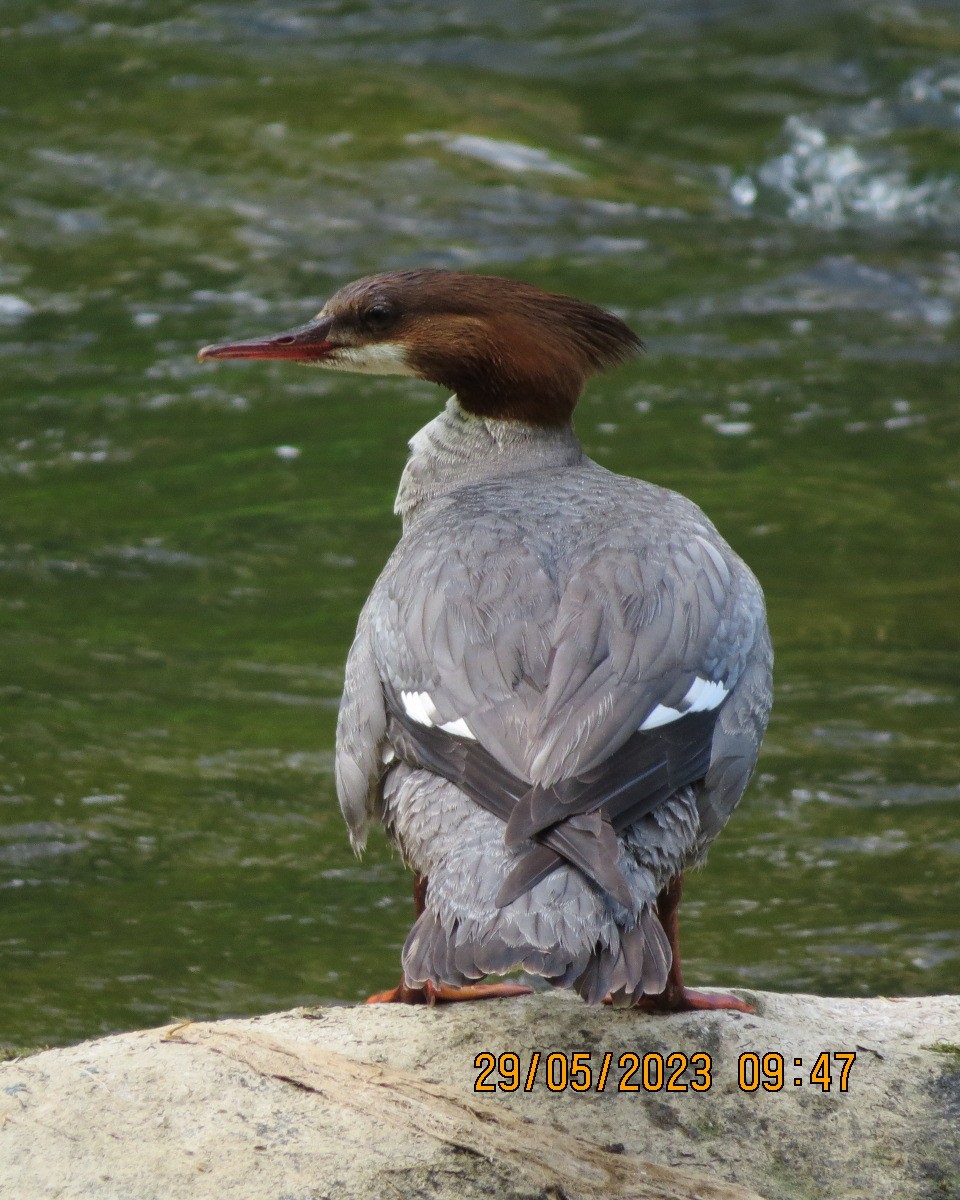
pixel 457 449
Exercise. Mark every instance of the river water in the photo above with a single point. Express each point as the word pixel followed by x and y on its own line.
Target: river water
pixel 768 192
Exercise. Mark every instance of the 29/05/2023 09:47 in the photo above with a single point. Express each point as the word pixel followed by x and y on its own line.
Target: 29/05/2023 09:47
pixel 654 1072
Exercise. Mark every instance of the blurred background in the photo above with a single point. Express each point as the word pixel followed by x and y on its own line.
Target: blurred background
pixel 767 192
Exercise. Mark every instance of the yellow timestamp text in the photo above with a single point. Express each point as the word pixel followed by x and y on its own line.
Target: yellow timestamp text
pixel 582 1071
pixel 631 1071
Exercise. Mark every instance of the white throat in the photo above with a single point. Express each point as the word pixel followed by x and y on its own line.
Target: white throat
pixel 377 358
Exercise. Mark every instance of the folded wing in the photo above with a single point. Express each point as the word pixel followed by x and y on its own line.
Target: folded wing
pixel 569 706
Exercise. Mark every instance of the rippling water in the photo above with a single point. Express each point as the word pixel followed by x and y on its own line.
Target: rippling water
pixel 772 200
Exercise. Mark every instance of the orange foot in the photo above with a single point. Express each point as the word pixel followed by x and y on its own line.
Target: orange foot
pixel 684 999
pixel 431 994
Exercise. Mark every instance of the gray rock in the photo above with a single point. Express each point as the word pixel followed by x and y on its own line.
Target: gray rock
pixel 357 1102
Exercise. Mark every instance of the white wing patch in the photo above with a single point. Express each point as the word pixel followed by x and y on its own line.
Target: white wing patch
pixel 420 708
pixel 702 694
pixel 663 714
pixel 458 727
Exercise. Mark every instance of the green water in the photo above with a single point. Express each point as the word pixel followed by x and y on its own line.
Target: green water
pixel 774 205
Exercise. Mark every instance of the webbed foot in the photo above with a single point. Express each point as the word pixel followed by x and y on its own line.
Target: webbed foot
pixel 684 999
pixel 431 994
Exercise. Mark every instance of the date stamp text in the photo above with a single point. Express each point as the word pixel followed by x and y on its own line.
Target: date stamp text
pixel 600 1071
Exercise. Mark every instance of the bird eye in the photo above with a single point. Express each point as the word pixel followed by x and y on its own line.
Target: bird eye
pixel 379 316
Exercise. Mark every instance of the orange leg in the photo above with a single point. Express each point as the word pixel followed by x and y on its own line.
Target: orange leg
pixel 430 993
pixel 675 997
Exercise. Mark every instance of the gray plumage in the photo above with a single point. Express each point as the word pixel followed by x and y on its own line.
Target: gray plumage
pixel 544 610
pixel 561 679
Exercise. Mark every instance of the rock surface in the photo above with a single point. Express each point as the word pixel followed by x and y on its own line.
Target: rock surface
pixel 358 1102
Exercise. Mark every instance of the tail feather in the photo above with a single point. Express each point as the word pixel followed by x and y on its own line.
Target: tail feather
pixel 594 984
pixel 492 955
pixel 647 958
pixel 465 960
pixel 633 945
pixel 658 956
pixel 449 967
pixel 425 954
pixel 636 963
pixel 567 978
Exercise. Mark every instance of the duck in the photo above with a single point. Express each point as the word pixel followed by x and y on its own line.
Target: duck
pixel 560 682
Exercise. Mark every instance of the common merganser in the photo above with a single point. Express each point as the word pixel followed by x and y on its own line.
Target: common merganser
pixel 561 679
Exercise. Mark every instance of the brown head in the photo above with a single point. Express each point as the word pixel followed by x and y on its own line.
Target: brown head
pixel 507 349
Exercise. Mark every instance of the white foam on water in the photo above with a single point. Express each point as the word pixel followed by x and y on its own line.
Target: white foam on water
pixel 831 184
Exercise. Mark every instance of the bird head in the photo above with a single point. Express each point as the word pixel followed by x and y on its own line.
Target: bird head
pixel 508 350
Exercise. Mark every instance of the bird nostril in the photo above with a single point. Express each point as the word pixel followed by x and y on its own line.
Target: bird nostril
pixel 285 341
